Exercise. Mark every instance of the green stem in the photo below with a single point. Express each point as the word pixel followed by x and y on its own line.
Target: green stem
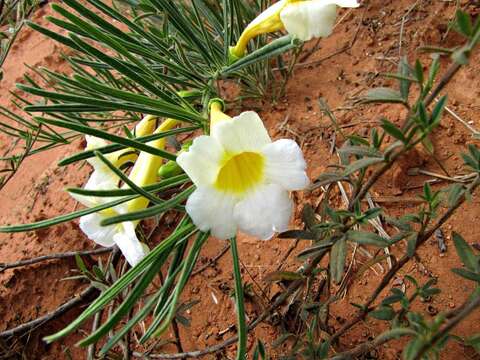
pixel 242 328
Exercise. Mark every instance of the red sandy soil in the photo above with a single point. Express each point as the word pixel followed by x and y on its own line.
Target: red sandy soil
pixel 36 192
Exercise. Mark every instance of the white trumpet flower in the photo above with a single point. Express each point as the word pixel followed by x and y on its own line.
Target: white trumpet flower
pixel 243 179
pixel 143 173
pixel 304 19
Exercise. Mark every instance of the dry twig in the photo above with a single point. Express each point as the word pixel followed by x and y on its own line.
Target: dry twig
pixel 5 266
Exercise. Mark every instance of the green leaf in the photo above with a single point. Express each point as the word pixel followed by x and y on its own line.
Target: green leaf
pixel 327 178
pixel 419 71
pixel 412 245
pixel 464 23
pixel 434 68
pixel 63 218
pixel 423 115
pixel 259 352
pixel 308 216
pixel 298 234
pixel 465 253
pixel 405 82
pixel 367 238
pixel 312 251
pixel 360 151
pixel 150 211
pixel 361 164
pixel 81 264
pixel 278 46
pixel 159 186
pixel 455 192
pixel 467 274
pixel 391 129
pixel 338 254
pixel 239 301
pixel 107 136
pixel 396 333
pixel 411 350
pixel 382 95
pixel 383 313
pixel 392 299
pixel 438 111
pixel 114 147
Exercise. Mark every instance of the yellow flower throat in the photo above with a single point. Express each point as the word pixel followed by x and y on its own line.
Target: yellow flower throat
pixel 241 173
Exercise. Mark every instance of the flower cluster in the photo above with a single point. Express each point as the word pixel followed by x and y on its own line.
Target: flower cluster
pixel 242 177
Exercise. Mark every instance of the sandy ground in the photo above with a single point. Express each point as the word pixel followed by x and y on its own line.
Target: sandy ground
pixel 36 191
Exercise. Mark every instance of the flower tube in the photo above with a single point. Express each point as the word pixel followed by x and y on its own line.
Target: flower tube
pixel 243 179
pixel 304 19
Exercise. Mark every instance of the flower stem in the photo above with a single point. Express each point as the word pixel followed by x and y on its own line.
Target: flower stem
pixel 242 328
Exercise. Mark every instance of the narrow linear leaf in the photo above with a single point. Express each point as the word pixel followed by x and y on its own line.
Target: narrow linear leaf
pixel 465 253
pixel 338 254
pixel 107 136
pixel 361 164
pixel 151 211
pixel 367 238
pixel 63 218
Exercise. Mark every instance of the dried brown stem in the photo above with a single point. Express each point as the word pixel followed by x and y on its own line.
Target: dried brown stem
pixel 65 255
pixel 72 303
pixel 212 261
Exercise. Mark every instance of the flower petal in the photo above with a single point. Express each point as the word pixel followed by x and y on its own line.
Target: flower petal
pixel 243 133
pixel 129 245
pixel 267 13
pixel 102 235
pixel 312 18
pixel 264 212
pixel 93 143
pixel 212 210
pixel 285 165
pixel 202 160
pixel 101 179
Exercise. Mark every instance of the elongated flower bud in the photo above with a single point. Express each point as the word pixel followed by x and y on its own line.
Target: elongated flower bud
pixel 145 170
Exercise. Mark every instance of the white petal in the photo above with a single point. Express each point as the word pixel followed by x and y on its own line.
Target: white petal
pixel 94 142
pixel 129 245
pixel 99 180
pixel 285 165
pixel 264 212
pixel 267 13
pixel 212 210
pixel 88 201
pixel 244 132
pixel 312 18
pixel 102 179
pixel 202 160
pixel 102 235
